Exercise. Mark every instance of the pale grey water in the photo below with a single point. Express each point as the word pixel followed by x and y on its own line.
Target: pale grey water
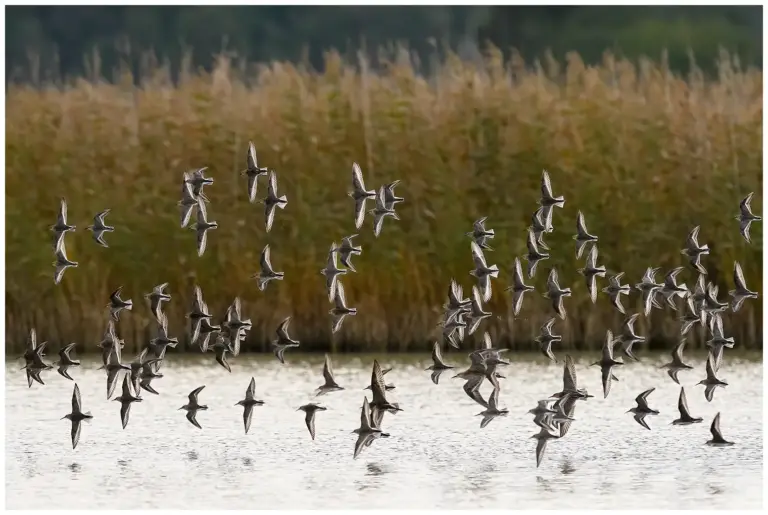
pixel 437 456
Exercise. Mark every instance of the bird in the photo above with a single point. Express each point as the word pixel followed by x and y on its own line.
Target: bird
pixel 438 366
pixel 671 288
pixel 546 193
pixel 331 272
pixel 368 431
pixel 685 414
pixel 493 410
pixel 456 301
pixel 381 211
pixel 555 293
pixel 267 273
pixel 480 234
pixel 340 309
pixel 283 341
pixel 330 384
pixel 137 367
pixel 546 337
pixel 311 410
pixel 541 222
pixel 253 172
pixel 582 236
pixel 193 406
pixel 202 226
pixel 197 180
pixel 62 262
pixel 718 341
pixel 518 288
pixel 740 293
pixel 198 314
pixel 677 364
pixel 359 194
pixel 711 381
pixel 543 436
pixel 188 200
pixel 378 390
pixel 66 361
pixel 711 304
pixel 116 304
pixel 746 217
pixel 717 437
pixel 570 384
pixel 591 271
pixel 235 324
pixel 206 329
pixel 156 298
pixel 482 271
pixel 565 408
pixel 99 228
pixel 694 251
pixel 109 341
pixel 649 287
pixel 248 403
pixel 77 415
pixel 534 254
pixel 474 377
pixel 390 199
pixel 148 373
pixel 346 250
pixel 61 227
pixel 607 362
pixel 126 399
pixel 542 414
pixel 272 200
pixel 114 367
pixel 476 313
pixel 162 340
pixel 629 337
pixel 642 409
pixel 221 347
pixel 615 289
pixel 691 317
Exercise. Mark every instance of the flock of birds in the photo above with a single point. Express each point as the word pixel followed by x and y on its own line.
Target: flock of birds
pixel 462 316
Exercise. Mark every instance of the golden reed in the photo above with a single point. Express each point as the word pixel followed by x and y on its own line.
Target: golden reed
pixel 645 154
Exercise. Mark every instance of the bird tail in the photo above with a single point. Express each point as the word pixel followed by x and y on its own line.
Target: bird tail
pixel 283 201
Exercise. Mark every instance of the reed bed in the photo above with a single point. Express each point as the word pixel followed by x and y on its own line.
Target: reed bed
pixel 645 154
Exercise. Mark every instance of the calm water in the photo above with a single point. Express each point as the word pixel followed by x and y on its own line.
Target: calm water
pixel 437 455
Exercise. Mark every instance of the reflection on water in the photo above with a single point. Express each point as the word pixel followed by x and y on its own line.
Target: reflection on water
pixel 437 455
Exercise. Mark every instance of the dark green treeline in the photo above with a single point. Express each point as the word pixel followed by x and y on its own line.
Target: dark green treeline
pixel 50 42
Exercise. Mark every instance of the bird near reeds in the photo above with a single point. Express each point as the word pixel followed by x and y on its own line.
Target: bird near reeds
pixel 746 217
pixel 272 201
pixel 359 194
pixel 117 304
pixel 62 262
pixel 253 172
pixel 283 341
pixel 99 228
pixel 267 273
pixel 340 309
pixel 61 227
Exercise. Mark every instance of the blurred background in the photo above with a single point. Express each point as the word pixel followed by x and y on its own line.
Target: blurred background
pixel 60 36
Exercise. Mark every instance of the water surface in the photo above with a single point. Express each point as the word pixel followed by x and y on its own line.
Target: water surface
pixel 437 456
